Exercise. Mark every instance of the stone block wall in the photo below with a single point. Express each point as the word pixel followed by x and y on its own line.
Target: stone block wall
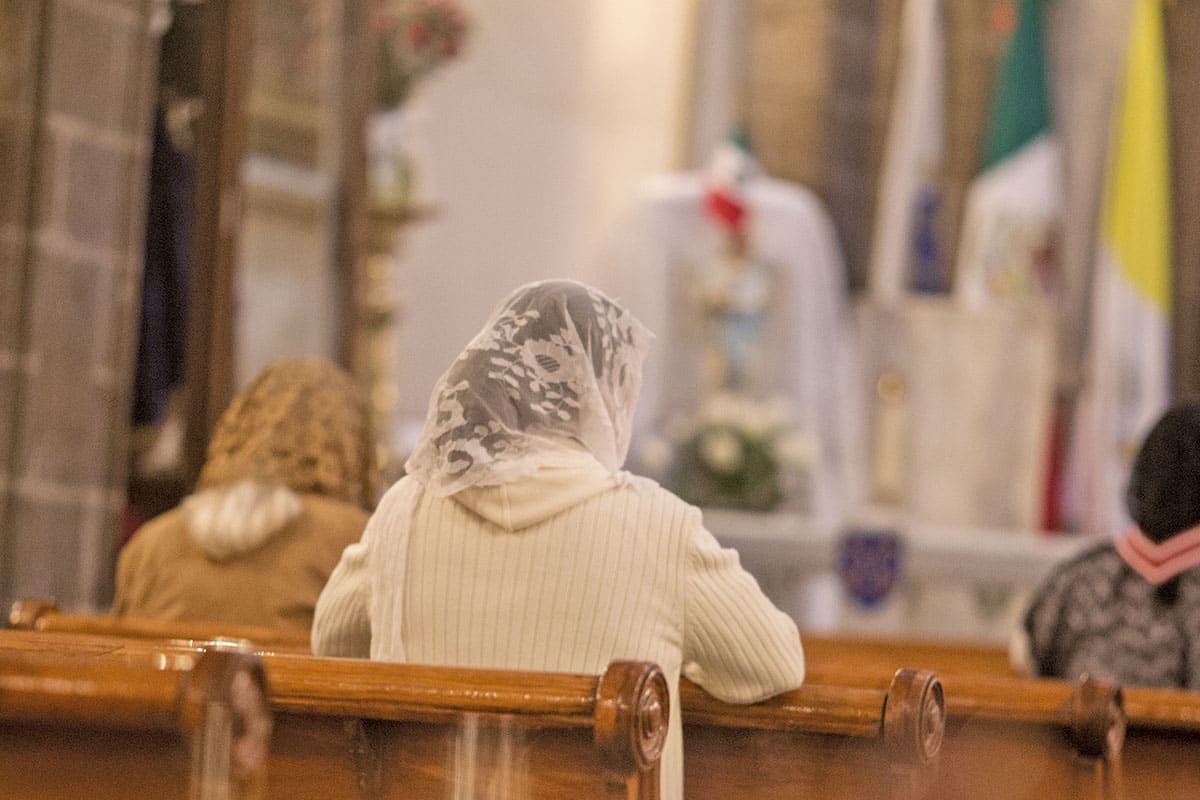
pixel 76 89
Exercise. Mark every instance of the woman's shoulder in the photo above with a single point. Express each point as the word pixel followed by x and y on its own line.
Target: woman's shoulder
pixel 651 492
pixel 1100 556
pixel 1098 563
pixel 165 530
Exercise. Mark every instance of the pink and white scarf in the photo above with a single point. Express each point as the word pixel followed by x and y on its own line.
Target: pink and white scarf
pixel 1159 562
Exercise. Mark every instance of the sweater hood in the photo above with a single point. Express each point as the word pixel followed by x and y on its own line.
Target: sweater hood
pixel 230 521
pixel 526 501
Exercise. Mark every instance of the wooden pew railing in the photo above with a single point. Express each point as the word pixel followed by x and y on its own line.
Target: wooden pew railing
pixel 833 652
pixel 347 728
pixel 819 741
pixel 193 727
pixel 1162 726
pixel 1032 738
pixel 43 615
pixel 344 723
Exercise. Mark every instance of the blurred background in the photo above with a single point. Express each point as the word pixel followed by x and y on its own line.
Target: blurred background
pixel 922 273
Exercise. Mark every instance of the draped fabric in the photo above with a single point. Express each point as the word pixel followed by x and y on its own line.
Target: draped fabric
pixel 1127 380
pixel 166 278
pixel 556 369
pixel 1087 39
pixel 807 340
pixel 906 248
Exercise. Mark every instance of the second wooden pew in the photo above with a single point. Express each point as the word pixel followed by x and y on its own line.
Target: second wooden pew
pixel 1162 726
pixel 43 615
pixel 395 730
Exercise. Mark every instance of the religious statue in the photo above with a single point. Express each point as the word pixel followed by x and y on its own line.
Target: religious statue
pixel 733 292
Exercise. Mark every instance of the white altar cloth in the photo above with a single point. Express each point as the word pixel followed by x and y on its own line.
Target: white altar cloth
pixel 956 582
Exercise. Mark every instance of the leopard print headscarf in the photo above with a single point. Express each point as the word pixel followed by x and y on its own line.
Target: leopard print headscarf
pixel 303 424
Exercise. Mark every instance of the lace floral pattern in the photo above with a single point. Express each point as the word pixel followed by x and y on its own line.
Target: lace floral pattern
pixel 556 370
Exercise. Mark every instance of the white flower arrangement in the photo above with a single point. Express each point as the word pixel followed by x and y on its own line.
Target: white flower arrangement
pixel 735 452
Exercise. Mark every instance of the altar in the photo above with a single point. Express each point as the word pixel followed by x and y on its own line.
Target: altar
pixel 953 583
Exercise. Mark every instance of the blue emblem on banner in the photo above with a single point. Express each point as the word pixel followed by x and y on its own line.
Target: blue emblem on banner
pixel 869 563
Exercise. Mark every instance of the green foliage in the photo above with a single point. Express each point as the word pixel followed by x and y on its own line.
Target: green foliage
pixel 748 482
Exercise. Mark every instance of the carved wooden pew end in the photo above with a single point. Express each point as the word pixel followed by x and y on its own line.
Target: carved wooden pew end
pixel 914 716
pixel 1098 719
pixel 633 707
pixel 25 614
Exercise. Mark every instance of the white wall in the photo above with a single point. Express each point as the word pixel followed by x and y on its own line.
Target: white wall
pixel 534 141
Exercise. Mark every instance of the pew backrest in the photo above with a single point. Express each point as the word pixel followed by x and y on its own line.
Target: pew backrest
pixel 830 653
pixel 356 728
pixel 43 615
pixel 343 722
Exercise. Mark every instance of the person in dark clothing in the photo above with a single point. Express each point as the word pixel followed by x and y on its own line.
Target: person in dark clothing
pixel 1129 610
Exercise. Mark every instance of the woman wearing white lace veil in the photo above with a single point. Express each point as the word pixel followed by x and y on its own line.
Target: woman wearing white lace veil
pixel 516 541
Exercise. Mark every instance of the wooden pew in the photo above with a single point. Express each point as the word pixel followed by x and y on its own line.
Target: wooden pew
pixel 1161 744
pixel 1162 726
pixel 344 723
pixel 1017 739
pixel 984 718
pixel 810 742
pixel 358 729
pixel 43 615
pixel 1066 738
pixel 835 652
pixel 187 727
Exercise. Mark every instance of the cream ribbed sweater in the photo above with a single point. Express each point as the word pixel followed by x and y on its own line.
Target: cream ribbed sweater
pixel 563 571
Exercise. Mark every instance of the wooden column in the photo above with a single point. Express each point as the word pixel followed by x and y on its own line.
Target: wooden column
pixel 1183 84
pixel 225 64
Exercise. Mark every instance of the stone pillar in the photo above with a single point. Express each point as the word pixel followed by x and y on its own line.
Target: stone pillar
pixel 76 86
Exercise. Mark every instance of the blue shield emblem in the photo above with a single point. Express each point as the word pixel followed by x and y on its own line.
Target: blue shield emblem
pixel 869 563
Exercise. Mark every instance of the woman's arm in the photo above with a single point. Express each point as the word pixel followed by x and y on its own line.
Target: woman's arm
pixel 737 645
pixel 342 620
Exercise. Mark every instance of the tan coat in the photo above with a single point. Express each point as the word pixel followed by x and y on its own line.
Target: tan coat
pixel 163 574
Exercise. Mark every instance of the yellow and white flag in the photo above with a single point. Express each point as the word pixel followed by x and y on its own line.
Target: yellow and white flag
pixel 1127 385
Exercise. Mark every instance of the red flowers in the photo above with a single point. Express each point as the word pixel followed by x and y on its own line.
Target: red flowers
pixel 414 39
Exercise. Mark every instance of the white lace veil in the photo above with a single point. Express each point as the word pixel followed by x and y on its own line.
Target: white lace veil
pixel 556 371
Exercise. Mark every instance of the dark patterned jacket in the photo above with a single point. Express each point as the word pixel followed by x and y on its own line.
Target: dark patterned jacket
pixel 1096 615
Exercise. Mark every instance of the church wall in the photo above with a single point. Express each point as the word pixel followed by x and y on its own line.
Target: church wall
pixel 535 141
pixel 75 102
